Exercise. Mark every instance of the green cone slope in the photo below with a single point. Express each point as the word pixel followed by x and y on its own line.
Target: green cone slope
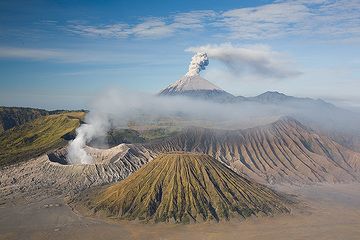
pixel 186 187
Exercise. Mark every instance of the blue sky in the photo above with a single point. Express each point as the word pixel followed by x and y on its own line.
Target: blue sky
pixel 60 54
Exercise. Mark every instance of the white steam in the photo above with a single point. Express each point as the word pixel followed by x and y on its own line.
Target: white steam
pixel 198 62
pixel 98 124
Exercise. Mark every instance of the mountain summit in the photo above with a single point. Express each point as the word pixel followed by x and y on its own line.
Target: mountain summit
pixel 190 83
pixel 193 85
pixel 197 87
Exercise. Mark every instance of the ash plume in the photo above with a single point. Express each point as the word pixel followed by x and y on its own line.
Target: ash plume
pixel 198 62
pixel 260 61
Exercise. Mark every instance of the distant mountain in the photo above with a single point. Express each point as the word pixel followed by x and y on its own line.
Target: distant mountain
pixel 184 188
pixel 197 87
pixel 271 97
pixel 274 97
pixel 190 83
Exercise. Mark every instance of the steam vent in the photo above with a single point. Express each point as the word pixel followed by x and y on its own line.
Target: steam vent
pixel 185 188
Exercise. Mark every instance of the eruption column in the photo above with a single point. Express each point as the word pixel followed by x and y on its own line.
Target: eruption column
pixel 198 62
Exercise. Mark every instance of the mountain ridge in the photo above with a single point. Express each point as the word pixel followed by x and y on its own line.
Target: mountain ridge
pixel 198 87
pixel 285 151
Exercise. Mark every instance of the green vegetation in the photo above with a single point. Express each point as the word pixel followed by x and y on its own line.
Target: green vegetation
pixel 38 136
pixel 158 133
pixel 184 188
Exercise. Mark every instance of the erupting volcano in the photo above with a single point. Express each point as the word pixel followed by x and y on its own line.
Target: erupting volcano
pixel 193 85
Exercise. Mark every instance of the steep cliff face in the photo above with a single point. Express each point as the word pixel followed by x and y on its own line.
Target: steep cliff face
pixel 14 116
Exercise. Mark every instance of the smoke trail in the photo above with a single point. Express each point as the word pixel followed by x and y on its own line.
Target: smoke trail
pixel 254 60
pixel 198 62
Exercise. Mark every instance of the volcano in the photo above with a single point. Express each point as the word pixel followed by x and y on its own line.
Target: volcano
pixel 197 87
pixel 185 187
pixel 193 85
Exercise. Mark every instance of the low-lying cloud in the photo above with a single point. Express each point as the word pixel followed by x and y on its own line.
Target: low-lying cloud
pixel 115 108
pixel 259 60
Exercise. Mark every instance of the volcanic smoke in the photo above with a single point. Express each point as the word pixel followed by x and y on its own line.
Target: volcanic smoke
pixel 198 62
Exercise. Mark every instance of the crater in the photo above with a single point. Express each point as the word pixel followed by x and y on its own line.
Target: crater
pixel 99 156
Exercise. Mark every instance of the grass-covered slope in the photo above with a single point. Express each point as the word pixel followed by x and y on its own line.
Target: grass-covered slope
pixel 185 187
pixel 38 136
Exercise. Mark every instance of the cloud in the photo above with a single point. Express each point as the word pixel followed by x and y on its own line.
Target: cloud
pixel 326 18
pixel 116 107
pixel 193 20
pixel 265 21
pixel 153 27
pixel 108 31
pixel 293 17
pixel 258 60
pixel 74 55
pixel 30 53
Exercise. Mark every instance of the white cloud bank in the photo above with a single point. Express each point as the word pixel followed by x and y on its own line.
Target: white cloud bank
pixel 115 108
pixel 294 17
pixel 72 55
